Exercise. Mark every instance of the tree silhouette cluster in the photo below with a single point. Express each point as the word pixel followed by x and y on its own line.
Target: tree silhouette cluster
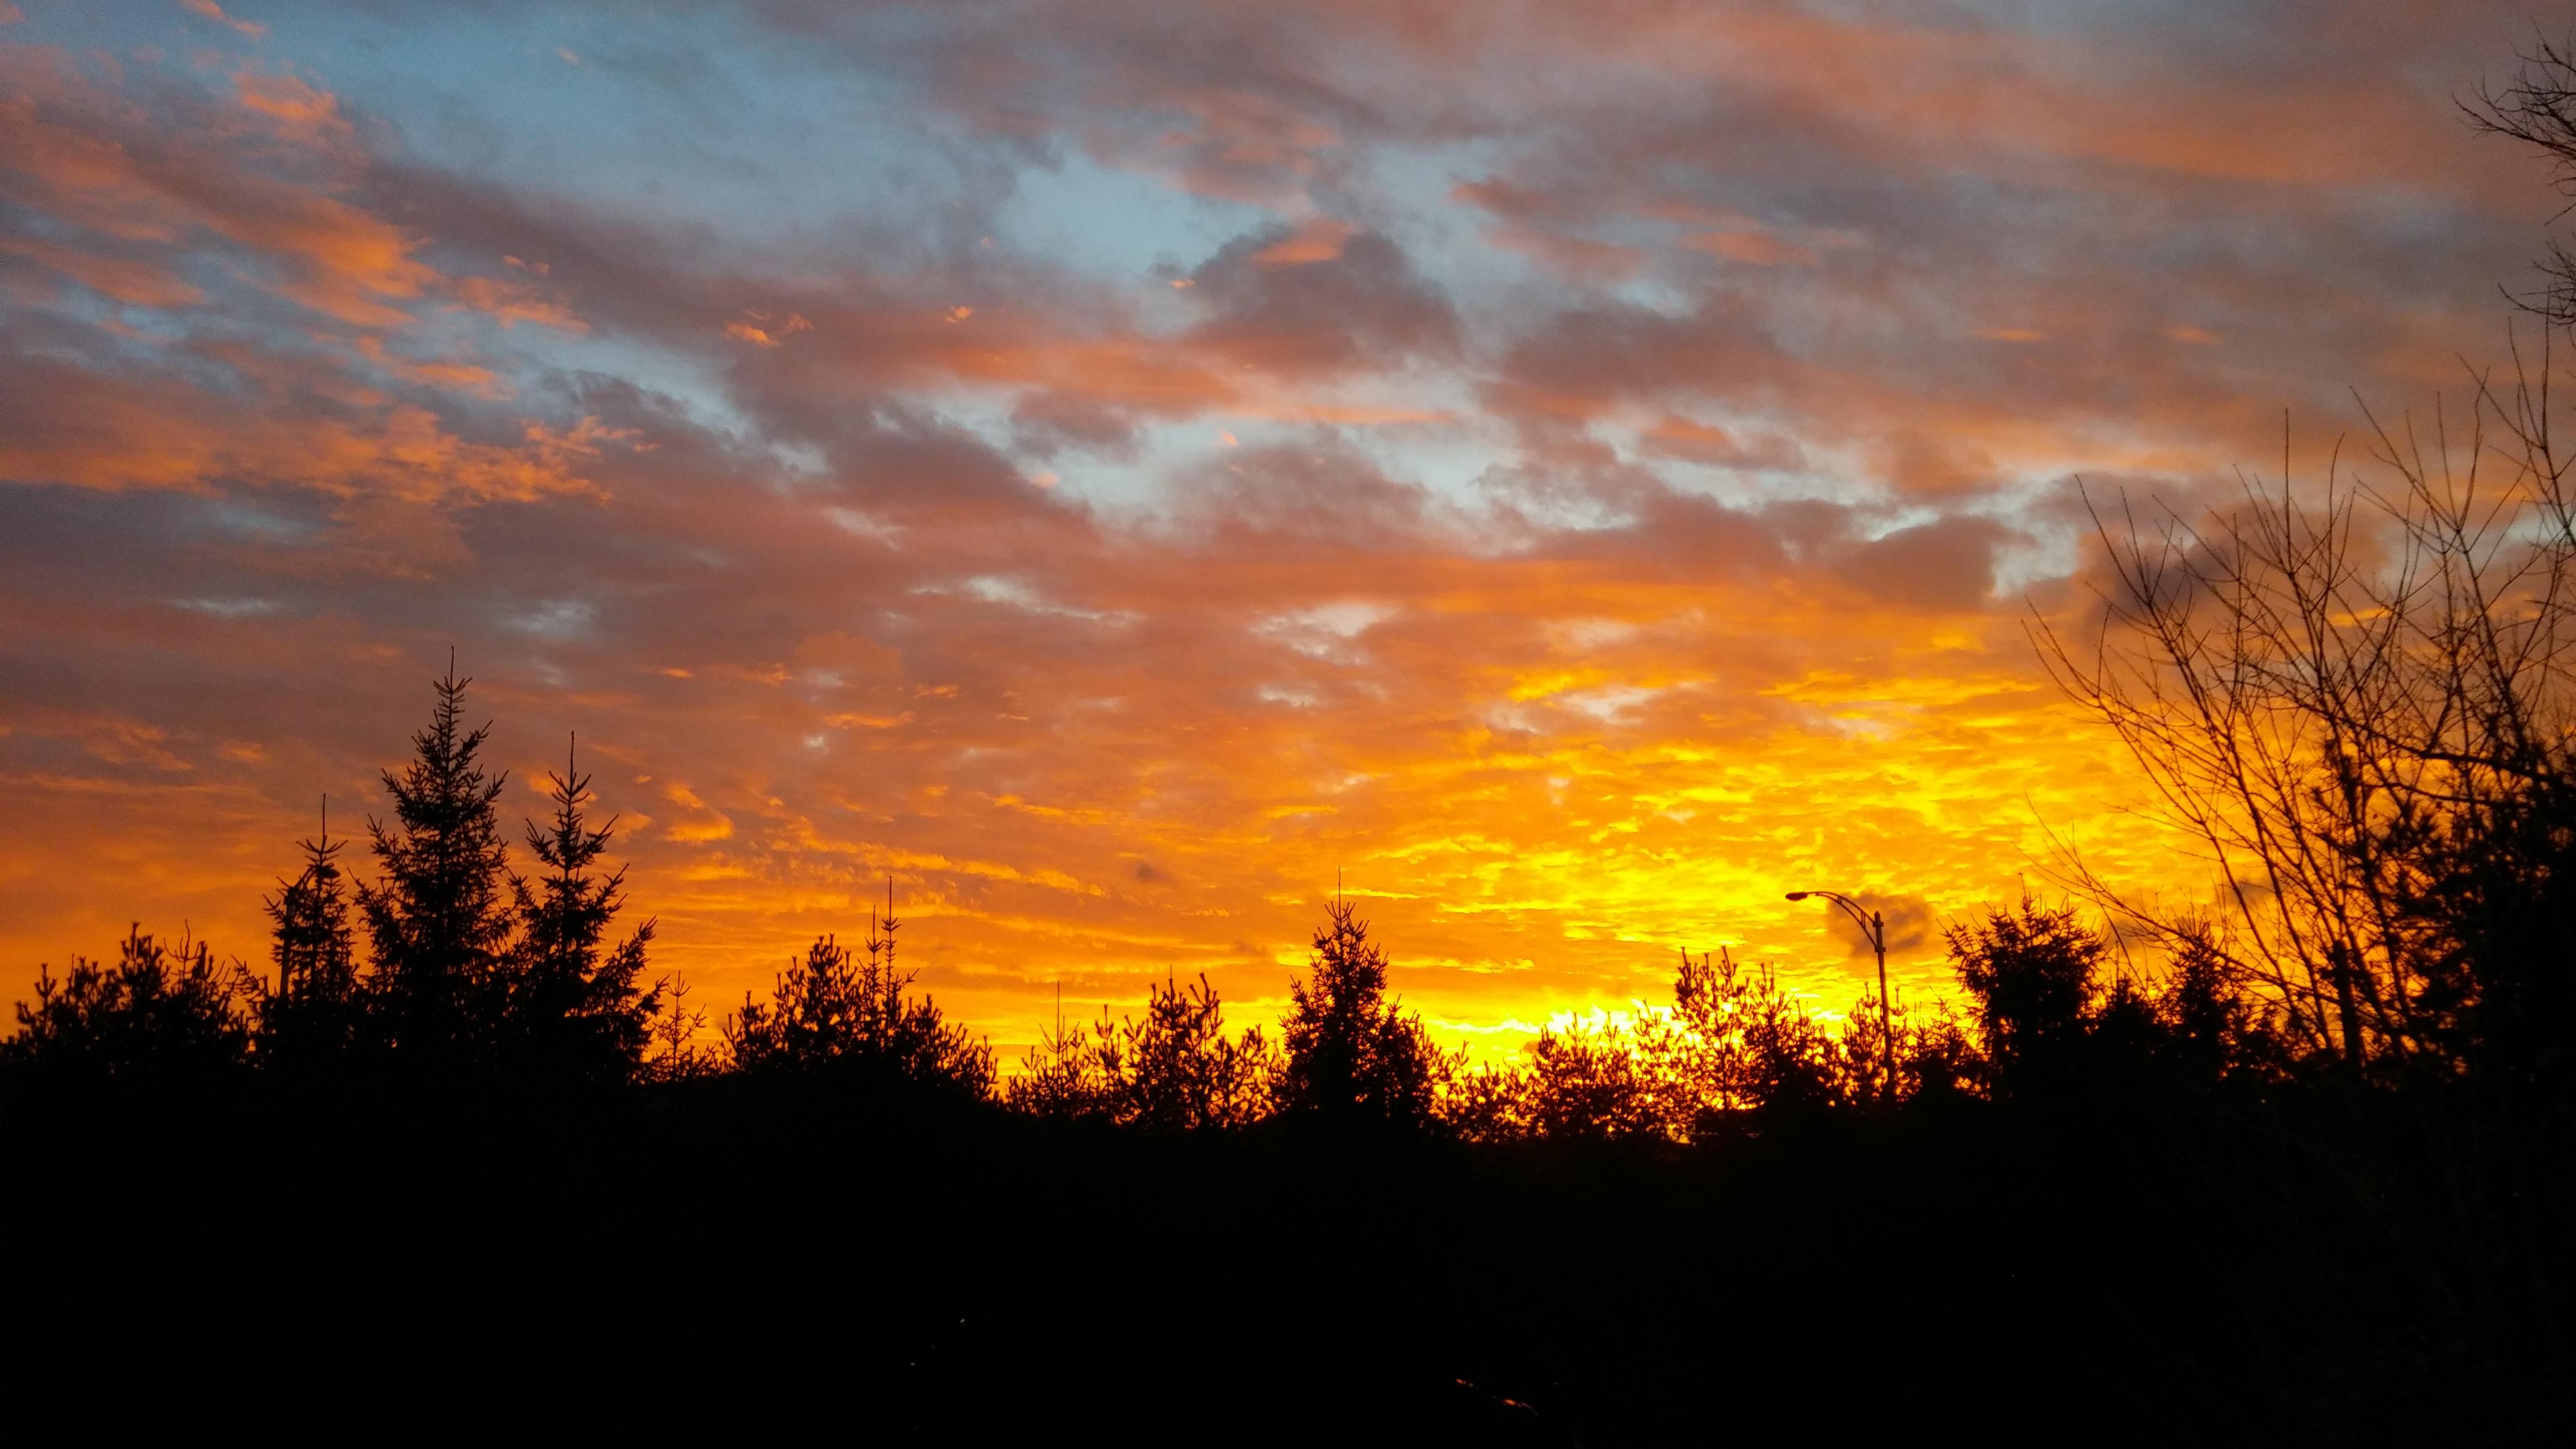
pixel 833 1015
pixel 1347 1054
pixel 469 967
pixel 158 1012
pixel 473 966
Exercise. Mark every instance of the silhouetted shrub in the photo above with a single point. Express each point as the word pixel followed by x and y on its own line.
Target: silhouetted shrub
pixel 156 1014
pixel 1586 1082
pixel 1175 1067
pixel 830 1015
pixel 1062 1075
pixel 1732 1044
pixel 1487 1104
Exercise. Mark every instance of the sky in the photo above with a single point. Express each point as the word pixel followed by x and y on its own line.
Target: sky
pixel 1563 475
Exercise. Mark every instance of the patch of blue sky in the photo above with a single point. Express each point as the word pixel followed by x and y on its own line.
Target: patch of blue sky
pixel 538 358
pixel 1825 475
pixel 1448 461
pixel 703 120
pixel 1157 478
pixel 1448 239
pixel 1408 189
pixel 545 369
pixel 2050 536
pixel 119 30
pixel 1113 222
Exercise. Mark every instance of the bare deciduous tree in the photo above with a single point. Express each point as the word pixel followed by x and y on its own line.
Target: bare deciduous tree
pixel 2357 699
pixel 2538 108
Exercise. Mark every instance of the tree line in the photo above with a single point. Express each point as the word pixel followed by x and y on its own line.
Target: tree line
pixel 451 961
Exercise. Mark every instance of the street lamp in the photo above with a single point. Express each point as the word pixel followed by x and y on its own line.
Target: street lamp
pixel 1875 927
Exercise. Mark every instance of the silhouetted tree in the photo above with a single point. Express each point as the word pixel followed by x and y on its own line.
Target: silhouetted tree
pixel 572 1008
pixel 1351 1054
pixel 312 1013
pixel 1739 1042
pixel 1936 1061
pixel 679 1051
pixel 1733 1043
pixel 1174 1067
pixel 2212 1029
pixel 438 914
pixel 1061 1075
pixel 2538 108
pixel 1489 1103
pixel 157 1014
pixel 2031 972
pixel 1586 1082
pixel 2359 702
pixel 830 1015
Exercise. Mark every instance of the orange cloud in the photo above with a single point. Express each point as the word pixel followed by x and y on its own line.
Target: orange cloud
pixel 508 303
pixel 135 283
pixel 1758 248
pixel 214 12
pixel 56 155
pixel 1117 579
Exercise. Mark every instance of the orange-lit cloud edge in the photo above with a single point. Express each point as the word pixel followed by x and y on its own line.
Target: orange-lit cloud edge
pixel 1569 482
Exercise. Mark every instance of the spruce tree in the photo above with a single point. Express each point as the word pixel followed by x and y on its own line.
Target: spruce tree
pixel 1353 1055
pixel 829 1015
pixel 438 914
pixel 575 1010
pixel 312 1010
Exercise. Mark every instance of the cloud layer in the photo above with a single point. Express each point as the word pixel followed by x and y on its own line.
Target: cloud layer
pixel 1571 474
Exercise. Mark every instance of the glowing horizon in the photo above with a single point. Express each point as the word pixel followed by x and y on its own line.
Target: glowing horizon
pixel 1113 467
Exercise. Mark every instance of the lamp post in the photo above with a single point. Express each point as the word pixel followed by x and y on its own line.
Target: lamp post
pixel 1875 927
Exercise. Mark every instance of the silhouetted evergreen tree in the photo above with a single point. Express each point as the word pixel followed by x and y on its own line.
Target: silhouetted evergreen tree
pixel 312 1012
pixel 156 1015
pixel 1061 1076
pixel 573 1009
pixel 1733 1043
pixel 830 1015
pixel 1175 1067
pixel 439 915
pixel 678 1051
pixel 1589 1083
pixel 1935 1058
pixel 2031 971
pixel 1351 1055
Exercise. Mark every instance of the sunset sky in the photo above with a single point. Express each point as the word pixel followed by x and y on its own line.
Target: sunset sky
pixel 1576 471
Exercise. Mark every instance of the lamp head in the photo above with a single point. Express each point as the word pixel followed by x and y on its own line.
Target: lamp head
pixel 1798 895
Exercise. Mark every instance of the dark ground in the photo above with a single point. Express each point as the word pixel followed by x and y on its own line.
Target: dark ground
pixel 781 1264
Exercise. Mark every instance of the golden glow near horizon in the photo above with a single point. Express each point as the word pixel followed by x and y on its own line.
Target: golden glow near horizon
pixel 1117 476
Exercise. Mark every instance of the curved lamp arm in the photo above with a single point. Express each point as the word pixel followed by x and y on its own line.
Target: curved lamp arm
pixel 1871 929
pixel 1874 929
